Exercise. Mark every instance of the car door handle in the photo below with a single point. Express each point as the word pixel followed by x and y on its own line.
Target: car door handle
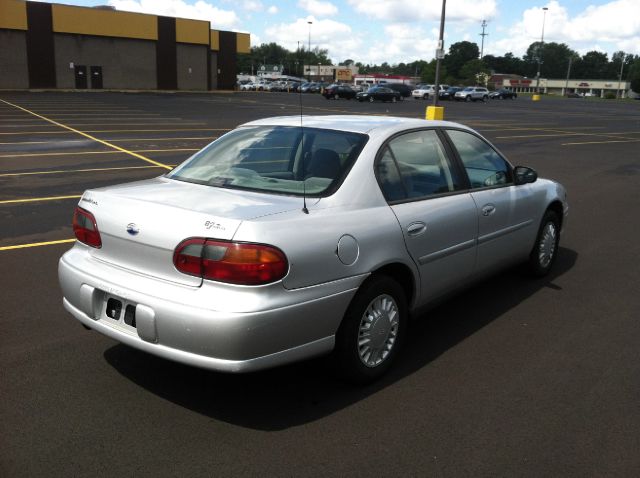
pixel 488 209
pixel 416 228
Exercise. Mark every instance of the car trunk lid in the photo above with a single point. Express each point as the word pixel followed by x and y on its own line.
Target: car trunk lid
pixel 142 223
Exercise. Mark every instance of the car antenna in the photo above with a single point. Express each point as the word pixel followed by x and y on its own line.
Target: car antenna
pixel 304 172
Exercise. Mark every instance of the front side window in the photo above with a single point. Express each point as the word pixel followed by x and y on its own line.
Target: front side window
pixel 277 159
pixel 484 166
pixel 415 165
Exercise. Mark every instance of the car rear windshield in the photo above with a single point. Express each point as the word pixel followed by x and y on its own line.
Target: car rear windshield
pixel 275 159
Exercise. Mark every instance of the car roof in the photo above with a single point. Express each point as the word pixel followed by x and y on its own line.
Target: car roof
pixel 353 123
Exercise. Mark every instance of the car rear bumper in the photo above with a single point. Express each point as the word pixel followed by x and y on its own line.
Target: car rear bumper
pixel 175 322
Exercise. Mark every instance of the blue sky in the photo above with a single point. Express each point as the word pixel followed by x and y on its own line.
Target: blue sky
pixel 374 31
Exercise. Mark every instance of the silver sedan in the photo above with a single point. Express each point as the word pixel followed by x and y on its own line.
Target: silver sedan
pixel 298 236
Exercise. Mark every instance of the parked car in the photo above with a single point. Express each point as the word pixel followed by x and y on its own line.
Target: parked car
pixel 337 91
pixel 278 242
pixel 404 90
pixel 503 94
pixel 247 86
pixel 422 92
pixel 472 93
pixel 449 93
pixel 318 87
pixel 574 95
pixel 306 87
pixel 380 93
pixel 427 91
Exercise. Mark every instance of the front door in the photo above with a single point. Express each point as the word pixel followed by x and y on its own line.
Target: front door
pixel 505 211
pixel 96 77
pixel 438 219
pixel 81 76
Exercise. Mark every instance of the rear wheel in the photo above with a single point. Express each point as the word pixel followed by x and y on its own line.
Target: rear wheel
pixel 394 99
pixel 468 98
pixel 545 249
pixel 372 330
pixel 336 96
pixel 371 99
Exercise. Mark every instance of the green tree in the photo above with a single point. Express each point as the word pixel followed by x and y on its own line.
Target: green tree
pixel 428 74
pixel 634 74
pixel 593 65
pixel 459 54
pixel 471 70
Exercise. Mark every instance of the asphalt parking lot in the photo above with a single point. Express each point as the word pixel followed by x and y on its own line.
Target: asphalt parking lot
pixel 514 377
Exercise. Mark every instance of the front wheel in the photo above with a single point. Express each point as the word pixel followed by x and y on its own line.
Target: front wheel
pixel 372 330
pixel 468 99
pixel 371 99
pixel 544 252
pixel 336 96
pixel 394 99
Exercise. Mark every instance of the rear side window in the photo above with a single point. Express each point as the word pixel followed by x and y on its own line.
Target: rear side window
pixel 484 166
pixel 415 165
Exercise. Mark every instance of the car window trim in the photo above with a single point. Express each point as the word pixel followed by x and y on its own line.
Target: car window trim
pixel 454 151
pixel 452 163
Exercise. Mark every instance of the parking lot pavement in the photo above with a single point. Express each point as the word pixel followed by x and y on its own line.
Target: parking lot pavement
pixel 513 377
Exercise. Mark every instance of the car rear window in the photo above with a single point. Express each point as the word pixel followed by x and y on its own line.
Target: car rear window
pixel 275 159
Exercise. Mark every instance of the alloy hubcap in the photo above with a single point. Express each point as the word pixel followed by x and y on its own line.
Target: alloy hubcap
pixel 547 244
pixel 378 330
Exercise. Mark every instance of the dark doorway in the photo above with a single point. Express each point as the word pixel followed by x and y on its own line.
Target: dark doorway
pixel 96 77
pixel 81 77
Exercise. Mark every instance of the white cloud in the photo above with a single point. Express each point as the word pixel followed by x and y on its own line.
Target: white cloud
pixel 200 10
pixel 406 11
pixel 252 5
pixel 272 10
pixel 318 8
pixel 337 37
pixel 616 23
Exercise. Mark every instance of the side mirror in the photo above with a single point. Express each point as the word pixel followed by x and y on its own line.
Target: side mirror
pixel 524 175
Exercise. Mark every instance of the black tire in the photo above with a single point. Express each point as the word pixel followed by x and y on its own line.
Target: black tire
pixel 394 99
pixel 485 98
pixel 371 100
pixel 336 96
pixel 379 292
pixel 425 96
pixel 468 98
pixel 545 250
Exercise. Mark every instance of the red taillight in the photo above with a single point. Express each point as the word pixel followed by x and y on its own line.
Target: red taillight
pixel 232 262
pixel 86 229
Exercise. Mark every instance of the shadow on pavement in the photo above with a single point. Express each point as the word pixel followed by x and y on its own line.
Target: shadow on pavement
pixel 304 392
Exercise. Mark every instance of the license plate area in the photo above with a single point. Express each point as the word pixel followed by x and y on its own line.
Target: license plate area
pixel 119 311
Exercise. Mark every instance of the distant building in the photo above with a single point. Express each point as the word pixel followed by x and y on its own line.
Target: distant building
pixel 371 79
pixel 560 86
pixel 330 72
pixel 44 45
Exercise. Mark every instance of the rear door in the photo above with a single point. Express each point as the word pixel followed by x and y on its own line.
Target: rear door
pixel 437 216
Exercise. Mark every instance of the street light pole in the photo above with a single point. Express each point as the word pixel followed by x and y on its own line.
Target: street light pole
pixel 439 53
pixel 544 17
pixel 620 77
pixel 309 52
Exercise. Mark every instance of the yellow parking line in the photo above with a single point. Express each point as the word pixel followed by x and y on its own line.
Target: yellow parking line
pixel 69 126
pixel 80 153
pixel 90 170
pixel 36 244
pixel 116 131
pixel 54 198
pixel 64 141
pixel 136 155
pixel 603 142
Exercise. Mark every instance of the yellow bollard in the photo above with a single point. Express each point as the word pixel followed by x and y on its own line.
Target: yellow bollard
pixel 535 98
pixel 434 113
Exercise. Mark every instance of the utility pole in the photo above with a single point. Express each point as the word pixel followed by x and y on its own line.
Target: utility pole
pixel 620 77
pixel 483 34
pixel 309 52
pixel 439 55
pixel 566 83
